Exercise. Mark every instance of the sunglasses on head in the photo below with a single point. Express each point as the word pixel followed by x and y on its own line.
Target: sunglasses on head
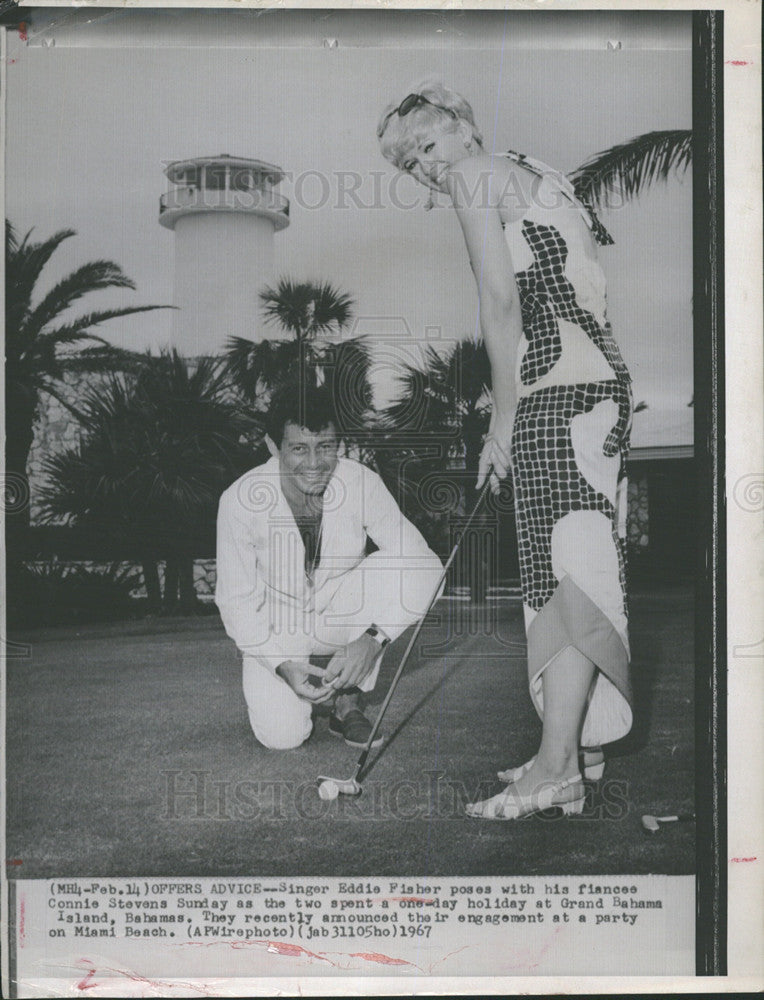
pixel 409 104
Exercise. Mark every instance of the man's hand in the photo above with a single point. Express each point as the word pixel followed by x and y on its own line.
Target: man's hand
pixel 297 676
pixel 350 666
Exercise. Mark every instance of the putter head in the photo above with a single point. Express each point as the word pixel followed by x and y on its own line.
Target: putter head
pixel 650 824
pixel 344 786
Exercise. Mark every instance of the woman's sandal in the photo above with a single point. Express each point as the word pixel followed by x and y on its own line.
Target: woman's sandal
pixel 593 768
pixel 508 805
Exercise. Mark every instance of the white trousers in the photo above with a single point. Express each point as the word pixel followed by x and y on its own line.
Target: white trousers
pixel 368 595
pixel 279 718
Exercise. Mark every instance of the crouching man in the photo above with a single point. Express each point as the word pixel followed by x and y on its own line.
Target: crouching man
pixel 295 579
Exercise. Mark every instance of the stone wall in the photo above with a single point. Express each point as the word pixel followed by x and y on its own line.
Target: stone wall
pixel 55 431
pixel 205 576
pixel 638 514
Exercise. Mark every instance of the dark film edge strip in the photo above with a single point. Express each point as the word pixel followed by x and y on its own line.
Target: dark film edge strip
pixel 710 603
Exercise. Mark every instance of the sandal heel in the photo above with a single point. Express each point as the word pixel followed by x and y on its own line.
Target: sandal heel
pixel 507 805
pixel 592 772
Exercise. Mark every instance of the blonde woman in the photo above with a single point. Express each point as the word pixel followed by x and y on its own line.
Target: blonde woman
pixel 559 426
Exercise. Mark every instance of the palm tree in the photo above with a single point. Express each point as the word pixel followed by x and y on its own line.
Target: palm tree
pixel 310 313
pixel 39 342
pixel 447 399
pixel 628 169
pixel 306 309
pixel 433 433
pixel 159 446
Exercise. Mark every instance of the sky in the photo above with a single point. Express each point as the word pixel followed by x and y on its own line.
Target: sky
pixel 93 118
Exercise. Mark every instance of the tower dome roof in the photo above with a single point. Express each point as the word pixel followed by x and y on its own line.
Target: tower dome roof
pixel 176 170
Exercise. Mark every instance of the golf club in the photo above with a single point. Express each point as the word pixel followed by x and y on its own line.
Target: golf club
pixel 651 824
pixel 330 788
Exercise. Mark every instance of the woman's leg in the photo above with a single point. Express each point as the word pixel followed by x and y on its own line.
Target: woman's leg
pixel 566 682
pixel 565 439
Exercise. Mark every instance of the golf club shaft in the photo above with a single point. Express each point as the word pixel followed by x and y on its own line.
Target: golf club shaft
pixel 418 628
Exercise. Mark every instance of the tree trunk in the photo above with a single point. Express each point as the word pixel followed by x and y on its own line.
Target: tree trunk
pixel 19 429
pixel 186 584
pixel 19 435
pixel 171 580
pixel 151 582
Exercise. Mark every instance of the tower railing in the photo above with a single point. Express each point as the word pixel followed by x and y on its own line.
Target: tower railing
pixel 252 199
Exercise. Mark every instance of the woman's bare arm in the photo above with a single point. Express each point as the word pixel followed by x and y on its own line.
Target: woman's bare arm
pixel 475 185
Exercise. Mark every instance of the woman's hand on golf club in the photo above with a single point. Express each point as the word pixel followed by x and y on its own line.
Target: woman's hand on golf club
pixel 353 664
pixel 297 675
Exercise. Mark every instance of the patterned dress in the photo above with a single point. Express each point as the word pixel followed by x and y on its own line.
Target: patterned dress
pixel 569 444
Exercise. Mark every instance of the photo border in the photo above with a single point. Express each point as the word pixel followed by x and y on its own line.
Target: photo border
pixel 710 573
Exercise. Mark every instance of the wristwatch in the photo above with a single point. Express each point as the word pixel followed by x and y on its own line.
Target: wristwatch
pixel 378 636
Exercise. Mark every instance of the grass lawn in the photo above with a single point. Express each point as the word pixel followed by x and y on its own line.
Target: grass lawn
pixel 129 753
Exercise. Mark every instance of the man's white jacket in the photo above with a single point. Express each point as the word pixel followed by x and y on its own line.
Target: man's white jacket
pixel 266 601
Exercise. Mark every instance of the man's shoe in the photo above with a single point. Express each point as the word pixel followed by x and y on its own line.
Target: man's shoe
pixel 354 728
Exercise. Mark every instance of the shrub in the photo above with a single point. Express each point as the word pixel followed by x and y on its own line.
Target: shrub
pixel 56 593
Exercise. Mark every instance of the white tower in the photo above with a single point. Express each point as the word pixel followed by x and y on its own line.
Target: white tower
pixel 224 211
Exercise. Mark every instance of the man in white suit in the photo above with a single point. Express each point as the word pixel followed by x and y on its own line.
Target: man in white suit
pixel 295 579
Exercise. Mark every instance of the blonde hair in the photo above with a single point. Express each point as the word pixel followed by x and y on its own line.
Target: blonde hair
pixel 398 136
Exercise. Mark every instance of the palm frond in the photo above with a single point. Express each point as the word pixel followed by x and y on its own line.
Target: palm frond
pixel 288 305
pixel 159 445
pixel 332 309
pixel 260 368
pixel 24 262
pixel 467 372
pixel 442 404
pixel 345 366
pixel 101 359
pixel 79 329
pixel 11 239
pixel 626 170
pixel 306 309
pixel 402 414
pixel 34 360
pixel 94 276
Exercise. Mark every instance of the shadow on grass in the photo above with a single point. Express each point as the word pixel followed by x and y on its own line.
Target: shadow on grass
pixel 646 660
pixel 410 715
pixel 448 631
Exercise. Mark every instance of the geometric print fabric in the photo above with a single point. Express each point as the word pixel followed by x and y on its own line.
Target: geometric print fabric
pixel 548 483
pixel 546 294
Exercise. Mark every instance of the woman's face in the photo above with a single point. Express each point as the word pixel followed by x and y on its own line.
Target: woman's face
pixel 435 153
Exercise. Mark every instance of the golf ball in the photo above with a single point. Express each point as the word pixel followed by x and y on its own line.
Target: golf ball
pixel 328 790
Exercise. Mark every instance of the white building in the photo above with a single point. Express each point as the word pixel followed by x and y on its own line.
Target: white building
pixel 224 211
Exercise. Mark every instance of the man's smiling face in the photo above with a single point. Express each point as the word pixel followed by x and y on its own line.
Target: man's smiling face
pixel 308 458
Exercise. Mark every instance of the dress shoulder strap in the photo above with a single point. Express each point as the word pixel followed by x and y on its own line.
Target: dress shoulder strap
pixel 601 235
